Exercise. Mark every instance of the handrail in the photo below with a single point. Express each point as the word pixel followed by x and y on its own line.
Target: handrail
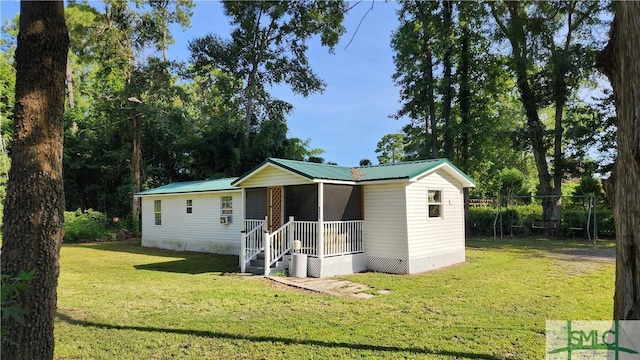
pixel 252 244
pixel 279 243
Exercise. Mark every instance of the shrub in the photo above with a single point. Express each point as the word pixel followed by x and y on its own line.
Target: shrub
pixel 11 308
pixel 480 221
pixel 84 225
pixel 574 223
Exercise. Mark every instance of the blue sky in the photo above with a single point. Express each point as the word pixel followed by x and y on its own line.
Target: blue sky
pixel 351 116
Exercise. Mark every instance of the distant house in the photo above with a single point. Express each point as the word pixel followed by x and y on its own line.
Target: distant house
pixel 399 218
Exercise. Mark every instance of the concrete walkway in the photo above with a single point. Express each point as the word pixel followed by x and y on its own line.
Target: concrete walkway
pixel 329 286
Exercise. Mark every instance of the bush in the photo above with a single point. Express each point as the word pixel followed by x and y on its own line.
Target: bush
pixel 481 219
pixel 85 225
pixel 574 223
pixel 12 310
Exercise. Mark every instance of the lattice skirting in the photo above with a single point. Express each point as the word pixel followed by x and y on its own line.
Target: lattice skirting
pixel 336 265
pixel 314 267
pixel 387 265
pixel 350 264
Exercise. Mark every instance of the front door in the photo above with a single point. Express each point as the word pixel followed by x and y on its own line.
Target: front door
pixel 274 208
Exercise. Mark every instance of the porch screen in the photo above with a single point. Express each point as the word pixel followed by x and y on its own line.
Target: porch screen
pixel 342 202
pixel 301 202
pixel 256 203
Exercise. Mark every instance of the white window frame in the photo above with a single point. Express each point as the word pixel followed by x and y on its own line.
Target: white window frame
pixel 433 202
pixel 189 206
pixel 226 205
pixel 157 211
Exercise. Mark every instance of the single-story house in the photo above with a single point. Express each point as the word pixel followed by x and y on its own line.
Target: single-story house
pixel 399 218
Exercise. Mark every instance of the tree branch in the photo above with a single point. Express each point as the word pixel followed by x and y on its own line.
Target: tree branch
pixel 360 23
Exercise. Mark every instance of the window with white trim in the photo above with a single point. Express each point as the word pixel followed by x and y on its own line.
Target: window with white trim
pixel 226 205
pixel 157 209
pixel 189 206
pixel 434 203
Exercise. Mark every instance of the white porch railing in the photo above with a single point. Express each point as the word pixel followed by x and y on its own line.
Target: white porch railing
pixel 306 232
pixel 342 237
pixel 339 238
pixel 279 243
pixel 252 224
pixel 251 242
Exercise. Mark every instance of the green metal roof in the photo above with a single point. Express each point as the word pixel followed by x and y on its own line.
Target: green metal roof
pixel 192 186
pixel 392 171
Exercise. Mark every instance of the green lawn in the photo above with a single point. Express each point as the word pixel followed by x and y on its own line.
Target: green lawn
pixel 120 301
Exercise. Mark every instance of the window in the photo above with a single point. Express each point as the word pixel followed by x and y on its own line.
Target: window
pixel 226 205
pixel 434 202
pixel 189 206
pixel 157 209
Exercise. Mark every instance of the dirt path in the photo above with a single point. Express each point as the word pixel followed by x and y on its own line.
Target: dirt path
pixel 597 255
pixel 329 286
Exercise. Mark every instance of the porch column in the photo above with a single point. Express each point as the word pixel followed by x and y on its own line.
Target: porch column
pixel 243 250
pixel 243 232
pixel 243 201
pixel 320 236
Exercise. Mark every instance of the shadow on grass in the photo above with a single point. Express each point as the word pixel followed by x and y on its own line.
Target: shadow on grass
pixel 130 246
pixel 195 265
pixel 275 339
pixel 184 262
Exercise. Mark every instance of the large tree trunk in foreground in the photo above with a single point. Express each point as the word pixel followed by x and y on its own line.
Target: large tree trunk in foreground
pixel 34 209
pixel 619 61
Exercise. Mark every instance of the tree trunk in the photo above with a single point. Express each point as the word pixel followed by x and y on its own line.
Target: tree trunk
pixel 69 77
pixel 619 61
pixel 447 89
pixel 465 101
pixel 515 32
pixel 165 57
pixel 248 115
pixel 136 162
pixel 427 68
pixel 34 208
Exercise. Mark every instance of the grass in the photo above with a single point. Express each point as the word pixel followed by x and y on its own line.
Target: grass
pixel 120 301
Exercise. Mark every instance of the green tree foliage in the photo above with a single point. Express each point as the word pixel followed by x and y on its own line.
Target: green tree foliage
pixel 512 182
pixel 391 149
pixel 124 100
pixel 12 310
pixel 268 46
pixel 477 106
pixel 7 99
pixel 414 66
pixel 551 56
pixel 496 109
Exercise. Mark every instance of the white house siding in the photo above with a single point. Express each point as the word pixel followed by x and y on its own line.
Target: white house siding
pixel 273 176
pixel 199 231
pixel 435 242
pixel 385 227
